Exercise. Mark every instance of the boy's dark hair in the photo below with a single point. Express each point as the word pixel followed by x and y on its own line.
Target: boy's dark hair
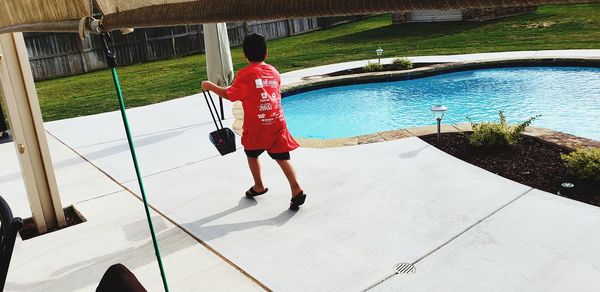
pixel 255 47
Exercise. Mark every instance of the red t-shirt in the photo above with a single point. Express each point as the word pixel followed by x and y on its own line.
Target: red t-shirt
pixel 257 87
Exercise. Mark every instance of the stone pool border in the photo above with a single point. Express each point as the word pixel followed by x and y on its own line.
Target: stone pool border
pixel 317 82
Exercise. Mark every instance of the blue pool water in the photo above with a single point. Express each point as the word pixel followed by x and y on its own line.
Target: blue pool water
pixel 567 97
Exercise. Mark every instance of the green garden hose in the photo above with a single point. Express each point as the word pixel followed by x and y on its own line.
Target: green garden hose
pixel 111 61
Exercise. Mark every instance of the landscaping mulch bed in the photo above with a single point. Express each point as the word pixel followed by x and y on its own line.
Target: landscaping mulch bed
pixel 386 67
pixel 532 162
pixel 30 231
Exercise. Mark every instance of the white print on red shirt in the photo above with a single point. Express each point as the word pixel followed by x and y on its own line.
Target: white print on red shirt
pixel 264 107
pixel 272 83
pixel 259 83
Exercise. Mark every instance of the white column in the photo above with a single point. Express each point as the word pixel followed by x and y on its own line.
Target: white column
pixel 20 98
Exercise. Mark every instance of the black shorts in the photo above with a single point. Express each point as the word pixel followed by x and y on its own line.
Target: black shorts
pixel 276 156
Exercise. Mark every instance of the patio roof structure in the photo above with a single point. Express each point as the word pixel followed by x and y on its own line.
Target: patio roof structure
pixel 57 15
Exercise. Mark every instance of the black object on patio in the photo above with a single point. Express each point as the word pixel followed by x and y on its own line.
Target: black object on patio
pixel 119 279
pixel 9 227
pixel 223 138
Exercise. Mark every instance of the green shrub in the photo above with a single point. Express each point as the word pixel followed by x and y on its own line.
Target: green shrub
pixel 583 163
pixel 373 67
pixel 497 134
pixel 402 63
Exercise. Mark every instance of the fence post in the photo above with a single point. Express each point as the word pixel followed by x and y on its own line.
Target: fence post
pixel 246 29
pixel 290 27
pixel 173 43
pixel 145 48
pixel 200 39
pixel 80 46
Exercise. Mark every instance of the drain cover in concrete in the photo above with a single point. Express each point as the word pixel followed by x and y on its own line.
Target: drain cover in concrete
pixel 405 268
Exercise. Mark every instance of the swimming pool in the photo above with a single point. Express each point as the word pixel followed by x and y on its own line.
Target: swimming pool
pixel 567 97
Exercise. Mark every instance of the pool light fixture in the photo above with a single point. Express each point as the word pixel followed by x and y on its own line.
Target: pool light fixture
pixel 438 113
pixel 379 53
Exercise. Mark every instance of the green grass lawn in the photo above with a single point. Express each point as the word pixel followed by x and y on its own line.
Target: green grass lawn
pixel 552 27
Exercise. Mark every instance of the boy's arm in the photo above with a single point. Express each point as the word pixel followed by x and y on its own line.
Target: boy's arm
pixel 220 91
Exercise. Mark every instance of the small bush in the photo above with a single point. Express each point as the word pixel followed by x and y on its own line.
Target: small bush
pixel 402 63
pixel 497 134
pixel 373 67
pixel 583 163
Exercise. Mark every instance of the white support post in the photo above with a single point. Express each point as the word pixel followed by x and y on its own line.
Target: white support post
pixel 20 98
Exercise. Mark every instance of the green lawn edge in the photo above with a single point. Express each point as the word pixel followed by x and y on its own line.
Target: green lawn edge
pixel 551 27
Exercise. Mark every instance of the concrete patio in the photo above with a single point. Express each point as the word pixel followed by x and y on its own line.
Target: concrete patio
pixel 369 208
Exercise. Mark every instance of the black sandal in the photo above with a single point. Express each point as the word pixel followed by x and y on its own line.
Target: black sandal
pixel 251 193
pixel 297 200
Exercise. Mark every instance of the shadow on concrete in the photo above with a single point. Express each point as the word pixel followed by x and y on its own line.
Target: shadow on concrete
pixel 89 272
pixel 413 153
pixel 140 136
pixel 123 147
pixel 207 233
pixel 242 204
pixel 139 230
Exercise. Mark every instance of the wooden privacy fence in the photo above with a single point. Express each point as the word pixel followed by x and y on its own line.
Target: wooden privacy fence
pixel 54 55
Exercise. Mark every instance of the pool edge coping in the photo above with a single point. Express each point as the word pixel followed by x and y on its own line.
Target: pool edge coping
pixel 321 81
pixel 309 83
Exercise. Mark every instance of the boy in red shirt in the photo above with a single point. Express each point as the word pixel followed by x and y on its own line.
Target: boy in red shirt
pixel 257 87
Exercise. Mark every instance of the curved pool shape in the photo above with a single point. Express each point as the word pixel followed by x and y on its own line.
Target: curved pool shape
pixel 567 97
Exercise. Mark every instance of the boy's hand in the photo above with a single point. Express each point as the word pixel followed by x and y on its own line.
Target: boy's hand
pixel 209 86
pixel 206 85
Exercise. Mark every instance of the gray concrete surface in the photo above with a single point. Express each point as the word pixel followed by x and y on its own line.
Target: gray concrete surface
pixel 540 243
pixel 369 208
pixel 116 231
